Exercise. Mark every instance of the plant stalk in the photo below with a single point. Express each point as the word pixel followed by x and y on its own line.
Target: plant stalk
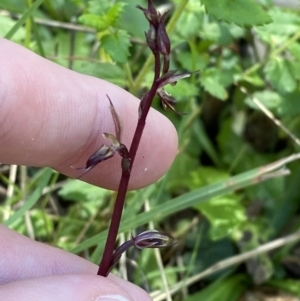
pixel 123 185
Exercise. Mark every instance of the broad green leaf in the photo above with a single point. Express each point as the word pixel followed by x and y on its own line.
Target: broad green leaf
pixel 114 13
pixel 183 90
pixel 217 33
pixel 189 23
pixel 206 175
pixel 280 72
pixel 225 214
pixel 102 17
pixel 221 33
pixel 269 99
pixel 254 79
pixel 228 289
pixel 285 23
pixel 134 26
pixel 215 82
pixel 295 50
pixel 98 7
pixel 240 12
pixel 290 104
pixel 213 87
pixel 100 23
pixel 296 69
pixel 191 63
pixel 117 46
pixel 107 71
pixel 79 191
pixel 179 179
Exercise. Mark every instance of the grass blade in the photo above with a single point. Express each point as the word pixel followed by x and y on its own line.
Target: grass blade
pixel 23 19
pixel 192 198
pixel 41 184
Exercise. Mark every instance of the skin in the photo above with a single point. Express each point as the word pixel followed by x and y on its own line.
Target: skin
pixel 51 116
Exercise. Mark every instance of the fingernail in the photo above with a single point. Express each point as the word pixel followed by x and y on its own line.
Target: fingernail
pixel 111 298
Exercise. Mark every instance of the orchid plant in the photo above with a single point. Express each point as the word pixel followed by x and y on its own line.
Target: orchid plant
pixel 159 43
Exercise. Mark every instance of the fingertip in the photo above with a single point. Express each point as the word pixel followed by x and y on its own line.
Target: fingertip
pixel 70 287
pixel 52 116
pixel 136 292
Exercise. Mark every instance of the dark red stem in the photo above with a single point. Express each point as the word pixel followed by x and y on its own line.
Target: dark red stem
pixel 106 261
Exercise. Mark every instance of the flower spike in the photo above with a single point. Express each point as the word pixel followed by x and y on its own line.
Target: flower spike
pixel 105 152
pixel 147 239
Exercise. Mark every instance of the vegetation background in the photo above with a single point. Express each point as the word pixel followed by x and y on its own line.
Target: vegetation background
pixel 233 211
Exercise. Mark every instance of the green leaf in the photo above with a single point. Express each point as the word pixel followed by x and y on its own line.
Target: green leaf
pixel 100 23
pixel 190 62
pixel 117 46
pixel 280 72
pixel 215 82
pixel 114 13
pixel 254 79
pixel 79 191
pixel 102 17
pixel 108 71
pixel 23 19
pixel 240 12
pixel 207 175
pixel 228 289
pixel 270 99
pixel 6 24
pixel 295 50
pixel 213 87
pixel 98 7
pixel 225 215
pixel 179 179
pixel 189 199
pixel 221 33
pixel 190 21
pixel 285 23
pixel 183 90
pixel 290 104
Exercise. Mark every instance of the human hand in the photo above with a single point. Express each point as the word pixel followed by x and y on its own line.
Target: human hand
pixel 32 271
pixel 51 116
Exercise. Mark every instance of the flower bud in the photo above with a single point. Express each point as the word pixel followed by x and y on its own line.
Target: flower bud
pixel 151 38
pixel 151 14
pixel 163 40
pixel 152 239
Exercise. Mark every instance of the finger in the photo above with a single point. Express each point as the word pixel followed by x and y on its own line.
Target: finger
pixel 23 258
pixel 71 287
pixel 52 116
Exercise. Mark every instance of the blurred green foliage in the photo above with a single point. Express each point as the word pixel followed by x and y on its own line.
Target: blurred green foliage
pixel 224 133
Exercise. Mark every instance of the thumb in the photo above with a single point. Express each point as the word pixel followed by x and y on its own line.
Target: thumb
pixel 52 116
pixel 71 287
